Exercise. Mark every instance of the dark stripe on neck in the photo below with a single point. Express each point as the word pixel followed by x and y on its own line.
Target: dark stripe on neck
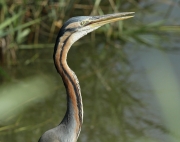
pixel 78 100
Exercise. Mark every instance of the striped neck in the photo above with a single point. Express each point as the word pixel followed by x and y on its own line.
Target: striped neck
pixel 74 115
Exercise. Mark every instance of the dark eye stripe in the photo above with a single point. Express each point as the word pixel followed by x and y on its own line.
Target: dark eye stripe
pixel 70 29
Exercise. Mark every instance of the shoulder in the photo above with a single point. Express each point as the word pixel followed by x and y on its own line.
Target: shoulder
pixel 49 136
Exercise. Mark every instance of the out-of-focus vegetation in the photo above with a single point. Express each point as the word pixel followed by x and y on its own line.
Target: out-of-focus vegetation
pixel 115 105
pixel 17 96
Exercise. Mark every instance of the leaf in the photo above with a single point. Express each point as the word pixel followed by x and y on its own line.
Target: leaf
pixel 21 36
pixel 9 21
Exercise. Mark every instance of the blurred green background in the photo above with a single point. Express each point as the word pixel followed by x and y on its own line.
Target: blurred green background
pixel 128 70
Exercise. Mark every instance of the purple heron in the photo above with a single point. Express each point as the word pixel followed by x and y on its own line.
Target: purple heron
pixel 72 30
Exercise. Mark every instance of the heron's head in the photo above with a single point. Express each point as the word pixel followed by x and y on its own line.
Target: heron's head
pixel 82 25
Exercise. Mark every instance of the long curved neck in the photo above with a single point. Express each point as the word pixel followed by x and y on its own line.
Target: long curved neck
pixel 74 115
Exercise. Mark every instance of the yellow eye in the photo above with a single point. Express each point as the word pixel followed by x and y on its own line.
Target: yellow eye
pixel 82 23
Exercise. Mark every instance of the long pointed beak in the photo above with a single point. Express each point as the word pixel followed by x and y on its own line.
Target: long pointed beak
pixel 98 21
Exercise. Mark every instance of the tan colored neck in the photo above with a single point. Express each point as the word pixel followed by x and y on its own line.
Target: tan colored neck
pixel 74 104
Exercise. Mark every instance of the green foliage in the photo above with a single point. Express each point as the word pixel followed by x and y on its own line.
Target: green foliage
pixel 24 95
pixel 113 110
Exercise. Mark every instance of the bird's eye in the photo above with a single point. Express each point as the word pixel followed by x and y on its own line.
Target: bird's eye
pixel 82 23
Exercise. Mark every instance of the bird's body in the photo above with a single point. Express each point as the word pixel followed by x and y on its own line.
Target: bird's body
pixel 72 30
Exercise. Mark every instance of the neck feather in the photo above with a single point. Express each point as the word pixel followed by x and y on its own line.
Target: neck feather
pixel 74 113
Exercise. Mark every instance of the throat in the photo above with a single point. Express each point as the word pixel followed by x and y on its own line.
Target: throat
pixel 73 117
pixel 74 99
